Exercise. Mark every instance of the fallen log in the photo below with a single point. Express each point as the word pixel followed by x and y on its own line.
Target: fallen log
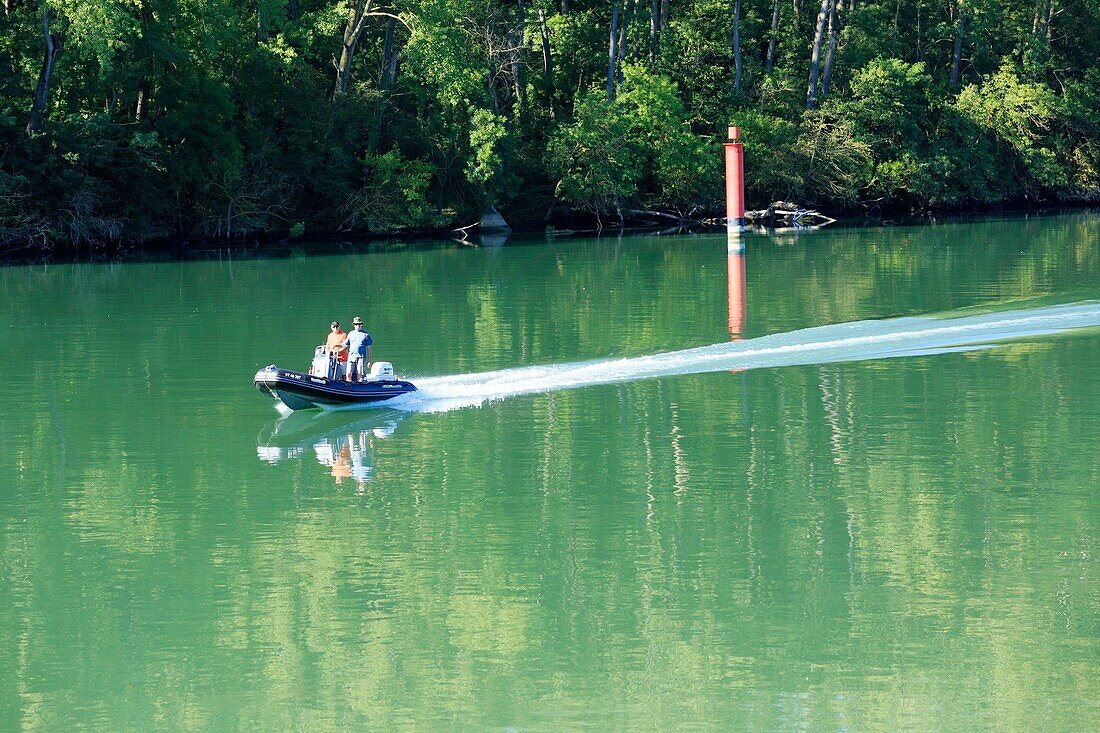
pixel 465 231
pixel 644 213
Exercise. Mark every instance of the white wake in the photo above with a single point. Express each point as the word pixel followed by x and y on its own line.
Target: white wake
pixel 856 341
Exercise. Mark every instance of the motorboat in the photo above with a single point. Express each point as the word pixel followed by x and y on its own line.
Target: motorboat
pixel 324 386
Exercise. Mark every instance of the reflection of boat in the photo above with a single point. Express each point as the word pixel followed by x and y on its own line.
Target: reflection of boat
pixel 339 444
pixel 323 388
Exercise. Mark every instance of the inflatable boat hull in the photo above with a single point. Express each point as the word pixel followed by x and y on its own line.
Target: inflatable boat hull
pixel 300 391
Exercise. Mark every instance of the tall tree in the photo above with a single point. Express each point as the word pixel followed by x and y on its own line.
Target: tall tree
pixel 612 51
pixel 956 52
pixel 773 37
pixel 389 56
pixel 386 78
pixel 1047 14
pixel 836 8
pixel 624 30
pixel 517 58
pixel 358 13
pixel 654 27
pixel 815 55
pixel 737 46
pixel 54 39
pixel 547 63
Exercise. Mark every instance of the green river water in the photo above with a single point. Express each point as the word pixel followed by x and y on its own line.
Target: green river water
pixel 889 525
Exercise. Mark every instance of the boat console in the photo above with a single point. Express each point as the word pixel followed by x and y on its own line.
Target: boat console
pixel 327 365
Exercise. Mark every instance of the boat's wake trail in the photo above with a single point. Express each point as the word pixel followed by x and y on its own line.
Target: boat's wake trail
pixel 857 341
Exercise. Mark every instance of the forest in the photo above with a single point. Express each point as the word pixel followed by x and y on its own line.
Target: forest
pixel 151 120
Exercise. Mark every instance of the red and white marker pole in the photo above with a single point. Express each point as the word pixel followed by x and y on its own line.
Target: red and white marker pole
pixel 735 181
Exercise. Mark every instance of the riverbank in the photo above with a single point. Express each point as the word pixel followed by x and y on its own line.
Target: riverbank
pixel 359 242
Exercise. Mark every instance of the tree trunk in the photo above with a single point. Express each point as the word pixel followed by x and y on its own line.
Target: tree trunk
pixel 387 78
pixel 737 47
pixel 518 77
pixel 547 63
pixel 353 31
pixel 920 45
pixel 139 107
pixel 145 67
pixel 261 32
pixel 565 7
pixel 654 27
pixel 292 10
pixel 1047 15
pixel 611 51
pixel 894 37
pixel 634 53
pixel 956 54
pixel 834 32
pixel 42 91
pixel 815 56
pixel 664 15
pixel 624 29
pixel 389 57
pixel 769 62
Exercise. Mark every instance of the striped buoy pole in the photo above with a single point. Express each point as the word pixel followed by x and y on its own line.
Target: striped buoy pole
pixel 735 181
pixel 735 226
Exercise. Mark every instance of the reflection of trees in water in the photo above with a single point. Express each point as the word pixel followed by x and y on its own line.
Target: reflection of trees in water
pixel 894 528
pixel 867 543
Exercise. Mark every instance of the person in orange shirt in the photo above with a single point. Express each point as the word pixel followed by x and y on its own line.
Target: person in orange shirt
pixel 335 346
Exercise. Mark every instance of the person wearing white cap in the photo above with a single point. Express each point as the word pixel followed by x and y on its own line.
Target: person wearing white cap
pixel 358 344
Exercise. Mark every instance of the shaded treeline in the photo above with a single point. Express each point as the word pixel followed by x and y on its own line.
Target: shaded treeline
pixel 138 119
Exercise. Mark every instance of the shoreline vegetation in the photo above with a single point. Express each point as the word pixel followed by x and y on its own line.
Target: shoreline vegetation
pixel 146 125
pixel 364 242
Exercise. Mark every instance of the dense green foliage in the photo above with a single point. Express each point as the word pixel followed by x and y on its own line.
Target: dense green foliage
pixel 133 119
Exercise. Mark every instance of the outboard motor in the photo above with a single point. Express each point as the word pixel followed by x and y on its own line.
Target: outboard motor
pixel 381 371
